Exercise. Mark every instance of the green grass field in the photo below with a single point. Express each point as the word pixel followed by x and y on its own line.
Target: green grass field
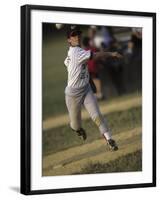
pixel 54 77
pixel 130 162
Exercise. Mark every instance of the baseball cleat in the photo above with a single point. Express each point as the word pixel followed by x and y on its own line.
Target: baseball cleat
pixel 112 145
pixel 82 133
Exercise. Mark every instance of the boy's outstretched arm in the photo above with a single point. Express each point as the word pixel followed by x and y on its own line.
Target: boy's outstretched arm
pixel 100 56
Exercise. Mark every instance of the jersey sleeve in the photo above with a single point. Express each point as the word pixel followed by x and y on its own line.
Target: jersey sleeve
pixel 84 56
pixel 66 61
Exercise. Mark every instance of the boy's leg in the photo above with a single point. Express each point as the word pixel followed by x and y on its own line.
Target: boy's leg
pixel 74 109
pixel 91 105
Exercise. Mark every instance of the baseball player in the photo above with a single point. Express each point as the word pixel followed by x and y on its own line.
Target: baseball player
pixel 78 91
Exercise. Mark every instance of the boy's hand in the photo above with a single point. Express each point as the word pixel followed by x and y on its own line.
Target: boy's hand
pixel 116 55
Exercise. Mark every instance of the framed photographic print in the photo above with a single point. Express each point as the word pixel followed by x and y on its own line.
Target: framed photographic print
pixel 88 99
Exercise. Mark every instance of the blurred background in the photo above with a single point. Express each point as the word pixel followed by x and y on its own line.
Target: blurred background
pixel 119 88
pixel 112 78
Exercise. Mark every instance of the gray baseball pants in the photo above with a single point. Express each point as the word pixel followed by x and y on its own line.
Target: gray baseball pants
pixel 74 106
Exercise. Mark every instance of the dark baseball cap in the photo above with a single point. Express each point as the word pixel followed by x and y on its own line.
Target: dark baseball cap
pixel 73 31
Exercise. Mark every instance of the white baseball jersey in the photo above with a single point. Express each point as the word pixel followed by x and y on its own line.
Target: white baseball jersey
pixel 75 62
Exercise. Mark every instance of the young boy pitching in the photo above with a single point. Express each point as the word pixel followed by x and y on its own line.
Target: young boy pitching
pixel 79 92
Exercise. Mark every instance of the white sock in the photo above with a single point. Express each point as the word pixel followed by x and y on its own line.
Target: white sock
pixel 107 135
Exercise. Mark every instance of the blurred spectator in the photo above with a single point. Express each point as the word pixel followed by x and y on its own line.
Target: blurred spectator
pixel 93 68
pixel 103 38
pixel 91 34
pixel 116 67
pixel 135 44
pixel 117 76
pixel 134 58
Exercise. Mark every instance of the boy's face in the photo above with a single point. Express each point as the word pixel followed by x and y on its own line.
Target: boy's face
pixel 75 40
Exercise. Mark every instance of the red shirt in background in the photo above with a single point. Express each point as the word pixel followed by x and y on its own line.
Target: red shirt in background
pixel 92 67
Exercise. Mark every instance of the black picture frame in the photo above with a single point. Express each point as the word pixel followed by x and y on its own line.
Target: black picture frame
pixel 25 182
